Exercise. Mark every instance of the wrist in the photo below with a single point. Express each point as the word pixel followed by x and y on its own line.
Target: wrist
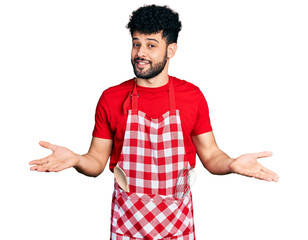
pixel 229 162
pixel 79 159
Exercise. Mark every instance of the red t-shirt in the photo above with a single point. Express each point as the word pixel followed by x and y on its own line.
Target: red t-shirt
pixel 111 116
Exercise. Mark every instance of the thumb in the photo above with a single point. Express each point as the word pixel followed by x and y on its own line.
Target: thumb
pixel 263 154
pixel 47 145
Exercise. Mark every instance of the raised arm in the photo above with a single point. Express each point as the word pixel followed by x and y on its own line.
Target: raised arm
pixel 91 164
pixel 212 158
pixel 218 162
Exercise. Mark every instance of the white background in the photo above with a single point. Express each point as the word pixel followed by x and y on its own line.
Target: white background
pixel 249 58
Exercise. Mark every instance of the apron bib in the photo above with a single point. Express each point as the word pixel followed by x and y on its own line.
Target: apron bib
pixel 152 156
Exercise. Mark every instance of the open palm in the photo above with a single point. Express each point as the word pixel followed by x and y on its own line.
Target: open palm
pixel 61 158
pixel 248 165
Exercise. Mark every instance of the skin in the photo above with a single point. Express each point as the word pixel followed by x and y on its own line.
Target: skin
pixel 151 50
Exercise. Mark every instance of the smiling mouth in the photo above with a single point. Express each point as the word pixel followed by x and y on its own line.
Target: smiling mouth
pixel 141 63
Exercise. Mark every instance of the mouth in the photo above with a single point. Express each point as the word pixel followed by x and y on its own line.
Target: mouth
pixel 141 63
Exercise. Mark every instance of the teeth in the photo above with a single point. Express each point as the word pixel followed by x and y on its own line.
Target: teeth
pixel 142 62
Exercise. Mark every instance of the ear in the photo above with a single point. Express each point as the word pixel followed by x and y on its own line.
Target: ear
pixel 171 49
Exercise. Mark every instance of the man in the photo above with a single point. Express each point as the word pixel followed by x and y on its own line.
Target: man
pixel 152 126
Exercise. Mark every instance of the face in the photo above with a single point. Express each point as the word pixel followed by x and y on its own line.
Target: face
pixel 149 55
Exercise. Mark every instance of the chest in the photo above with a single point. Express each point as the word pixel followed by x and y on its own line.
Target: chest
pixel 156 106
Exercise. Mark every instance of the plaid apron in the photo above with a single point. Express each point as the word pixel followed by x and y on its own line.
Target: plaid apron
pixel 152 156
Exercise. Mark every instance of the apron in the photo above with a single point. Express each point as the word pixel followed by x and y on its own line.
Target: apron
pixel 152 156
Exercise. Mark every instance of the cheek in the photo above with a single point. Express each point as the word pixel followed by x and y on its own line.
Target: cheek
pixel 158 56
pixel 133 54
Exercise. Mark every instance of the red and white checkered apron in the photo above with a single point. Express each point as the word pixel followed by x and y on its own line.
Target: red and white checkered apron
pixel 152 156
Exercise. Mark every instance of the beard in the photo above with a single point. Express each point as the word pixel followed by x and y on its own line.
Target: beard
pixel 154 70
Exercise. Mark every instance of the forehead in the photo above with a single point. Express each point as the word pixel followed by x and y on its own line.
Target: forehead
pixel 148 37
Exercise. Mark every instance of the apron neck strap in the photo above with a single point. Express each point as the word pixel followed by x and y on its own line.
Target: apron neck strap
pixel 134 96
pixel 171 97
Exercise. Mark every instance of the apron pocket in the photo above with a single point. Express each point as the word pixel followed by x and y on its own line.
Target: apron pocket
pixel 151 216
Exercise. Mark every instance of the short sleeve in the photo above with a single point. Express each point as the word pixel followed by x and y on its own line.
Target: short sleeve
pixel 203 122
pixel 102 120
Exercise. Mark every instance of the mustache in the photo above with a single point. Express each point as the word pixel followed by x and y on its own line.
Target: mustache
pixel 141 59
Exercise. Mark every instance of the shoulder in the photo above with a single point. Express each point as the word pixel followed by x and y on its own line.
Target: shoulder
pixel 114 96
pixel 185 87
pixel 120 89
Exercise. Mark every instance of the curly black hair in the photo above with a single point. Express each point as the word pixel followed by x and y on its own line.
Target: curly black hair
pixel 153 19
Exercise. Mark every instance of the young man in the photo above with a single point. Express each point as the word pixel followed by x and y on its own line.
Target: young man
pixel 152 126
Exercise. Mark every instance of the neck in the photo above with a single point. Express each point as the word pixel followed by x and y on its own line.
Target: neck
pixel 158 81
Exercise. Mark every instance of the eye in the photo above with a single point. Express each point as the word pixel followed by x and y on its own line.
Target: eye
pixel 151 46
pixel 136 45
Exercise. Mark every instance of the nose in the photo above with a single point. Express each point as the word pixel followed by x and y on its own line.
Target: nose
pixel 141 52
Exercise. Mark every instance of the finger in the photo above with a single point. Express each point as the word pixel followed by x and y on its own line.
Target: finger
pixel 40 165
pixel 41 169
pixel 39 161
pixel 274 175
pixel 48 145
pixel 55 167
pixel 49 166
pixel 44 167
pixel 34 168
pixel 267 176
pixel 263 176
pixel 264 154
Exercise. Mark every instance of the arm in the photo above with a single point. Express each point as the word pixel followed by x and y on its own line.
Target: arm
pixel 217 162
pixel 212 158
pixel 91 164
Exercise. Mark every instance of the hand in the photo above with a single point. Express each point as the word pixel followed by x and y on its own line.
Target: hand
pixel 61 158
pixel 247 165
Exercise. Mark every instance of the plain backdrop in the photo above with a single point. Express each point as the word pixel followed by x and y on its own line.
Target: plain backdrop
pixel 249 58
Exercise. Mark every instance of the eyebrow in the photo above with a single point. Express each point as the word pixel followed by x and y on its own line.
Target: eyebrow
pixel 149 39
